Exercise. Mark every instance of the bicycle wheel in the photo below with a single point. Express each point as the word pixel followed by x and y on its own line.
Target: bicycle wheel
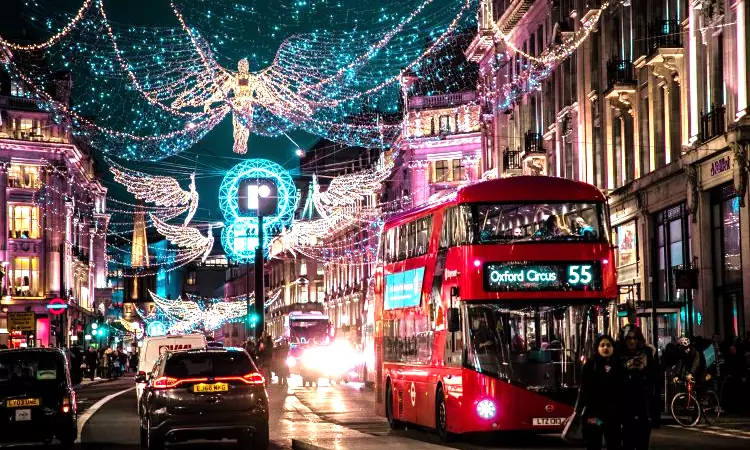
pixel 711 408
pixel 685 410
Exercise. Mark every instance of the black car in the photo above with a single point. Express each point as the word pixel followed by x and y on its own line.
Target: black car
pixel 38 400
pixel 212 393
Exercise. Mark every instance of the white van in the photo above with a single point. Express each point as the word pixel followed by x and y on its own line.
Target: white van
pixel 153 347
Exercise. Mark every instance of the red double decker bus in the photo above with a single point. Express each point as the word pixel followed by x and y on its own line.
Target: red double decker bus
pixel 487 302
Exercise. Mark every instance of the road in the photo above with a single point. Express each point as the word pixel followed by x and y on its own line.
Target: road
pixel 342 417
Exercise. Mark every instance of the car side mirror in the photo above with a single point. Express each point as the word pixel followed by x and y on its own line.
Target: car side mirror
pixel 454 320
pixel 141 377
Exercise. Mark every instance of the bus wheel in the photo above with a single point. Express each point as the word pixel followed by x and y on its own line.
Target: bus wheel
pixel 393 423
pixel 441 416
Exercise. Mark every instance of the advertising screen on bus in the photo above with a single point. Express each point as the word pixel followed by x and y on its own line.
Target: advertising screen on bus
pixel 403 289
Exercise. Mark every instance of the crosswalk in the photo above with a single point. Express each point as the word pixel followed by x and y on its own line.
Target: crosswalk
pixel 717 430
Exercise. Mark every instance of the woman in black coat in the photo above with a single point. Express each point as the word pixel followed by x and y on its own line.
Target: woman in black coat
pixel 640 407
pixel 600 396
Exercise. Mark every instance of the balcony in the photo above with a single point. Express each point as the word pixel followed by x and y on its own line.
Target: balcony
pixel 21 103
pixel 442 101
pixel 511 161
pixel 533 143
pixel 663 34
pixel 620 72
pixel 713 123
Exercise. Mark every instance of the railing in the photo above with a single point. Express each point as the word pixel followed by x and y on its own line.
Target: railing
pixel 19 102
pixel 533 142
pixel 620 71
pixel 664 34
pixel 437 101
pixel 511 159
pixel 713 123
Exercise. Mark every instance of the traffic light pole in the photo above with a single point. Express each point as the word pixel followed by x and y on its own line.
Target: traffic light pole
pixel 259 289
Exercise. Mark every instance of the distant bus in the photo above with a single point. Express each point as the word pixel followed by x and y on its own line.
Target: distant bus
pixel 308 327
pixel 487 302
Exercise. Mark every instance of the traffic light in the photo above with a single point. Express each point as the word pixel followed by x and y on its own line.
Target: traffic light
pixel 253 319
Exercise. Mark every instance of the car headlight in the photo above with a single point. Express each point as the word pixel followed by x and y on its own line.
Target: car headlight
pixel 291 361
pixel 486 409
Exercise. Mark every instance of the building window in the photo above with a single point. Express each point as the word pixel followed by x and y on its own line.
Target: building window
pixel 321 293
pixel 24 277
pixel 17 90
pixel 459 172
pixel 725 231
pixel 303 268
pixel 23 222
pixel 672 251
pixel 321 270
pixel 191 278
pixel 441 171
pixel 20 176
pixel 445 124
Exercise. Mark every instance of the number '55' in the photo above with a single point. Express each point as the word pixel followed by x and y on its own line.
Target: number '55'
pixel 579 274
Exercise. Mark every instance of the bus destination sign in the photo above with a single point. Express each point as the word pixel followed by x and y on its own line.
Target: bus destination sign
pixel 548 276
pixel 404 289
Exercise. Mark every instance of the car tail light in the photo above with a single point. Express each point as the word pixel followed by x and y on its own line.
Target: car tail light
pixel 165 383
pixel 254 378
pixel 67 403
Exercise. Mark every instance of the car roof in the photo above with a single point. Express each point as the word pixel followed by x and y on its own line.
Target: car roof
pixel 58 351
pixel 207 350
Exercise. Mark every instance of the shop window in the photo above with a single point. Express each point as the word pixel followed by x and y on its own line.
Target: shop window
pixel 627 244
pixel 23 222
pixel 191 278
pixel 727 260
pixel 24 277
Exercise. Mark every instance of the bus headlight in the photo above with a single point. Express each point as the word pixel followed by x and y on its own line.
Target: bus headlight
pixel 291 361
pixel 486 409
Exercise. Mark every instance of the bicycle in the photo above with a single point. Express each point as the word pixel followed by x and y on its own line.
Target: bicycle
pixel 688 407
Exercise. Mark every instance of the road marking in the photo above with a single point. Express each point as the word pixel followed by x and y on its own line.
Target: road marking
pixel 714 431
pixel 94 408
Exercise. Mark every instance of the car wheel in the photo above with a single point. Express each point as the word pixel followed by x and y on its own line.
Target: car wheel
pixel 68 439
pixel 154 442
pixel 441 416
pixel 261 438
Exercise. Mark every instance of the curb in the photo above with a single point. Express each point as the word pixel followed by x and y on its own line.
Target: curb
pixel 298 444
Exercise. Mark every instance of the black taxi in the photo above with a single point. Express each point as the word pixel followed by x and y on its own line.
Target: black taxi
pixel 37 400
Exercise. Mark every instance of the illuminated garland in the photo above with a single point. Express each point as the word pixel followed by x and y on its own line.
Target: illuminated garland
pixel 187 237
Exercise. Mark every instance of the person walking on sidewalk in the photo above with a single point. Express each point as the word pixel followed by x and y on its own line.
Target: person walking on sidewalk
pixel 92 361
pixel 600 396
pixel 640 406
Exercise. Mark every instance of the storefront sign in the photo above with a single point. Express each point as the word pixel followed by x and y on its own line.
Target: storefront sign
pixel 721 165
pixel 627 242
pixel 21 321
pixel 513 276
pixel 404 289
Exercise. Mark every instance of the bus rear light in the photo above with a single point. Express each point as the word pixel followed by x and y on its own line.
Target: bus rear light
pixel 477 263
pixel 486 409
pixel 605 261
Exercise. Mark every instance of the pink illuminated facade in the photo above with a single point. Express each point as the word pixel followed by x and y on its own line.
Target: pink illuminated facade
pixel 53 223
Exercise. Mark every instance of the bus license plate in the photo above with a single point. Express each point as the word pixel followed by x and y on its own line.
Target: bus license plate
pixel 548 421
pixel 216 387
pixel 23 415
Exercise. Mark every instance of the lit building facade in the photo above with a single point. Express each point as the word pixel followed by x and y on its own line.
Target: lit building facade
pixel 652 109
pixel 53 222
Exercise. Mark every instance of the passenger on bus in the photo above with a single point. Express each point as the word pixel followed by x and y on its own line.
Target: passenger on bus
pixel 584 229
pixel 552 228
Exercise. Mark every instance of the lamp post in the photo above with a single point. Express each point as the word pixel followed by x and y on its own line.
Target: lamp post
pixel 259 297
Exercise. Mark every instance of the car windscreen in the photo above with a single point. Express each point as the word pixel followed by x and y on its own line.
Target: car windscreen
pixel 19 369
pixel 201 365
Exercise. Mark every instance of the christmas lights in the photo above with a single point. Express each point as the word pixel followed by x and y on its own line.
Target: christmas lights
pixel 187 237
pixel 160 190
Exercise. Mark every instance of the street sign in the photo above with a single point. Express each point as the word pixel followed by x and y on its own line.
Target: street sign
pixel 57 306
pixel 21 321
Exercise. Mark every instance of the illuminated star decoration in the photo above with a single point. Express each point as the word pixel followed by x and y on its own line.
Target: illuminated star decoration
pixel 159 190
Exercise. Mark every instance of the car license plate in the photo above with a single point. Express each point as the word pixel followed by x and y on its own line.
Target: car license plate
pixel 23 415
pixel 216 387
pixel 21 402
pixel 548 421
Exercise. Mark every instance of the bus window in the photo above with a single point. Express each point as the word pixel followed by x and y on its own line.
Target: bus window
pixel 454 349
pixel 539 347
pixel 510 223
pixel 408 340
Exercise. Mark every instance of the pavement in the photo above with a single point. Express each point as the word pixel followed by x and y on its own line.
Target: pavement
pixel 341 417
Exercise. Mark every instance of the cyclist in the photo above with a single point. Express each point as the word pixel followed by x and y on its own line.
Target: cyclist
pixel 690 366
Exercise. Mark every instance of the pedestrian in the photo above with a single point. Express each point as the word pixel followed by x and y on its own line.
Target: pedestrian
pixel 92 361
pixel 639 410
pixel 600 396
pixel 134 361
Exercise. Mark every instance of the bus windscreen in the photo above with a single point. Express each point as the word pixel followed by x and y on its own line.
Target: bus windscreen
pixel 308 330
